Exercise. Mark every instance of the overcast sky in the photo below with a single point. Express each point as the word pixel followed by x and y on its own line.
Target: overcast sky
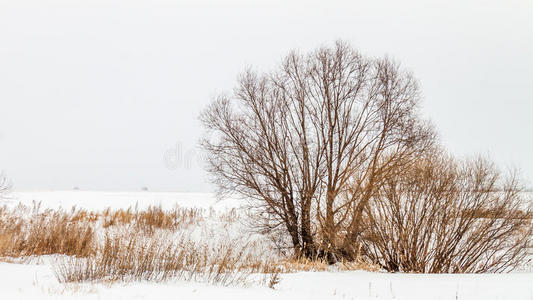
pixel 105 94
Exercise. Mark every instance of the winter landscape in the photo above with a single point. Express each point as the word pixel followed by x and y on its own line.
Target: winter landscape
pixel 36 277
pixel 232 149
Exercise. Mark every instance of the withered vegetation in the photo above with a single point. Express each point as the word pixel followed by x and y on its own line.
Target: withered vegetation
pixel 150 244
pixel 328 150
pixel 447 216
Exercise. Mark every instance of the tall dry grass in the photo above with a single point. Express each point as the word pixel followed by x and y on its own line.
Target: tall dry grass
pixel 42 233
pixel 134 257
pixel 152 218
pixel 151 244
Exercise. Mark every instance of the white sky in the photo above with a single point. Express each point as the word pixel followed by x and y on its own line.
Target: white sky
pixel 93 93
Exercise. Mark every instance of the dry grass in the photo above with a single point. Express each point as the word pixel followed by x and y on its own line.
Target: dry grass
pixel 159 258
pixel 307 265
pixel 152 218
pixel 48 232
pixel 29 231
pixel 152 244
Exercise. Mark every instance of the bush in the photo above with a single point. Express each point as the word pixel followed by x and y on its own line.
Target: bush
pixel 444 216
pixel 5 185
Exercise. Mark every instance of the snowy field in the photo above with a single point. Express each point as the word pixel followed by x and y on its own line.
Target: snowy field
pixel 96 200
pixel 36 280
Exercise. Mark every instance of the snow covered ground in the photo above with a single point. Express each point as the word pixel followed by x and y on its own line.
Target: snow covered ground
pixel 99 200
pixel 30 281
pixel 36 280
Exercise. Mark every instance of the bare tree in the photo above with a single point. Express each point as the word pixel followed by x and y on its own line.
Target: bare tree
pixel 444 216
pixel 5 185
pixel 310 142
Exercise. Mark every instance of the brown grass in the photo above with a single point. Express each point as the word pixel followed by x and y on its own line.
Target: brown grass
pixel 154 217
pixel 26 231
pixel 135 257
pixel 152 244
pixel 48 232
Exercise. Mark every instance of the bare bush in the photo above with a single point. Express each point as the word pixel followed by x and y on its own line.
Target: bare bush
pixel 445 216
pixel 5 185
pixel 293 140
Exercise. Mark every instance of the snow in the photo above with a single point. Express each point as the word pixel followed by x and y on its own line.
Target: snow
pixel 36 279
pixel 20 281
pixel 99 200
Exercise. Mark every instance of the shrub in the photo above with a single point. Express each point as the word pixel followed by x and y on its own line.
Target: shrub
pixel 445 216
pixel 5 185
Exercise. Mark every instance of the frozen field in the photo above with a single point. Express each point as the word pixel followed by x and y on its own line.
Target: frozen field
pixel 27 281
pixel 97 200
pixel 36 280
